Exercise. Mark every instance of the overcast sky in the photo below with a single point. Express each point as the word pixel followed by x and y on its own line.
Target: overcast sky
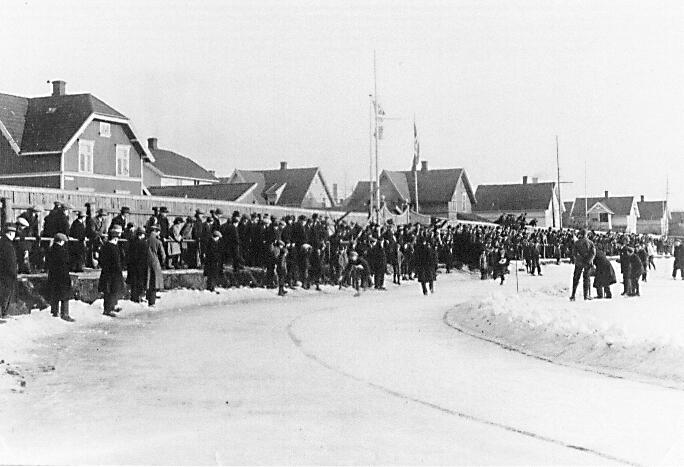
pixel 248 84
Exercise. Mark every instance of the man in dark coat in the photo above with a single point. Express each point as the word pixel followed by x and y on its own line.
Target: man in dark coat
pixel 8 269
pixel 121 219
pixel 605 275
pixel 213 261
pixel 636 269
pixel 137 265
pixel 377 259
pixel 96 230
pixel 583 252
pixel 678 254
pixel 58 280
pixel 424 264
pixel 111 282
pixel 232 243
pixel 77 232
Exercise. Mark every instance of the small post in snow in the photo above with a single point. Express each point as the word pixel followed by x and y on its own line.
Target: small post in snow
pixel 517 288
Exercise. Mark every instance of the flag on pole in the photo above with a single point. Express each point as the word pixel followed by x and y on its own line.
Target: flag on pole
pixel 416 148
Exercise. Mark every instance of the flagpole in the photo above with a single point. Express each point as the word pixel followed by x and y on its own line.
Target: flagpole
pixel 370 159
pixel 416 155
pixel 560 199
pixel 586 201
pixel 375 101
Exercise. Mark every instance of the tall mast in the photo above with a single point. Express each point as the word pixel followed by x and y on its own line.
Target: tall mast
pixel 370 159
pixel 375 101
pixel 561 205
pixel 586 201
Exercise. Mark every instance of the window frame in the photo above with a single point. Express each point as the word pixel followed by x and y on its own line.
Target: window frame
pixel 122 156
pixel 82 145
pixel 108 132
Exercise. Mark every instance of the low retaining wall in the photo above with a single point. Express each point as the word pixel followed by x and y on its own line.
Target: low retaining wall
pixel 32 289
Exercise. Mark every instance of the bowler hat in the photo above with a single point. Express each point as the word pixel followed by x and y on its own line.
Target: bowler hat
pixel 125 210
pixel 60 237
pixel 163 209
pixel 140 231
pixel 218 211
pixel 199 212
pixel 80 214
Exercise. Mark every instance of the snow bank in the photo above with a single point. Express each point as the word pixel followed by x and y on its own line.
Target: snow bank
pixel 636 337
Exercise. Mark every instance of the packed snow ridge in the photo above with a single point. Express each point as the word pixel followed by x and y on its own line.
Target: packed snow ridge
pixel 634 337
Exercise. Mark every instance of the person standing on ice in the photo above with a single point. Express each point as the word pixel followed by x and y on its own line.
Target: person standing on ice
pixel 155 258
pixel 584 252
pixel 213 260
pixel 605 274
pixel 636 269
pixel 137 264
pixel 678 254
pixel 424 261
pixel 8 269
pixel 501 263
pixel 111 282
pixel 58 281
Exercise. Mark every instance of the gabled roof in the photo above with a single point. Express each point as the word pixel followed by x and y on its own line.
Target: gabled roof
pixel 218 191
pixel 516 197
pixel 172 164
pixel 297 182
pixel 652 210
pixel 358 200
pixel 434 185
pixel 48 124
pixel 620 205
pixel 600 208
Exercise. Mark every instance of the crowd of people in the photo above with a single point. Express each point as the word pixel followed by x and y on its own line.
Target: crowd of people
pixel 298 251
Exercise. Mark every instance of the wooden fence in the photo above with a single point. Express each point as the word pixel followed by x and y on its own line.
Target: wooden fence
pixel 17 199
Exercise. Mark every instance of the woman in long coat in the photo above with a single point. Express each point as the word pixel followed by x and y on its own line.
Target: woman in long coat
pixel 605 274
pixel 58 280
pixel 155 258
pixel 213 260
pixel 111 282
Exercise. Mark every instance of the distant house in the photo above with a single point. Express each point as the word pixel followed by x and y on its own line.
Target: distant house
pixel 301 187
pixel 444 193
pixel 676 224
pixel 654 217
pixel 616 213
pixel 235 192
pixel 170 168
pixel 70 142
pixel 538 200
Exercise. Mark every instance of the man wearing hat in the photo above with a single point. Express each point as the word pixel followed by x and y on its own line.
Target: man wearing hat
pixel 58 280
pixel 96 231
pixel 121 219
pixel 213 261
pixel 21 245
pixel 584 252
pixel 77 246
pixel 154 218
pixel 8 269
pixel 155 258
pixel 111 282
pixel 195 249
pixel 31 216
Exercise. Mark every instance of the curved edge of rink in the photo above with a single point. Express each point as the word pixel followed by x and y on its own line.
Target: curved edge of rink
pixel 609 372
pixel 298 342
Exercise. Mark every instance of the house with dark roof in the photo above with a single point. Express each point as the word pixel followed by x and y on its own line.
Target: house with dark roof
pixel 676 224
pixel 654 217
pixel 537 200
pixel 615 213
pixel 300 187
pixel 70 142
pixel 444 193
pixel 172 169
pixel 235 192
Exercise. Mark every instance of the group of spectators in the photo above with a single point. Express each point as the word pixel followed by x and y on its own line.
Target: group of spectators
pixel 292 251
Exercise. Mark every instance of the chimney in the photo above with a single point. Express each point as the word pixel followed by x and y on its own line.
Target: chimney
pixel 58 88
pixel 642 198
pixel 423 166
pixel 535 179
pixel 334 193
pixel 283 165
pixel 605 194
pixel 524 179
pixel 152 143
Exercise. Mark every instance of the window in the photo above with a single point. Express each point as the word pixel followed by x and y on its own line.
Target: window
pixel 105 130
pixel 603 217
pixel 123 159
pixel 85 156
pixel 464 201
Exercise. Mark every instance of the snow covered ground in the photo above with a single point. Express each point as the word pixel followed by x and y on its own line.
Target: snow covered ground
pixel 246 377
pixel 636 337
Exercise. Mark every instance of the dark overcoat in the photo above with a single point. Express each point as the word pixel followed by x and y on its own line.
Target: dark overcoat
pixel 137 263
pixel 605 274
pixel 8 265
pixel 58 280
pixel 111 275
pixel 424 257
pixel 213 260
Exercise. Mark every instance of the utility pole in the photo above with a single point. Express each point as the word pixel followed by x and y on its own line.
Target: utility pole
pixel 586 201
pixel 561 205
pixel 375 102
pixel 370 157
